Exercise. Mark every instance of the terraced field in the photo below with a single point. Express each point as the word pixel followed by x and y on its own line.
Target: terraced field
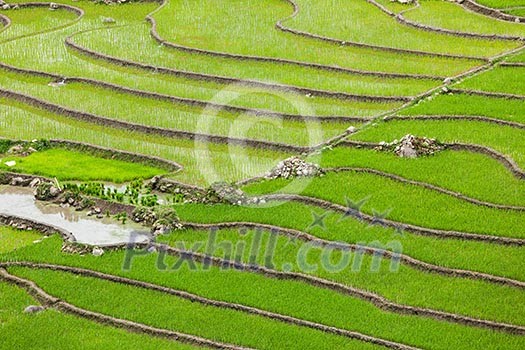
pixel 277 174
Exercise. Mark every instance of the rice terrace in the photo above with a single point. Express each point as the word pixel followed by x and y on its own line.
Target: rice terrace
pixel 262 174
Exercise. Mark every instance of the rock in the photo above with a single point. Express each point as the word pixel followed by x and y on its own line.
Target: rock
pixel 6 7
pixel 97 251
pixel 53 6
pixel 294 167
pixel 35 182
pixel 411 146
pixel 54 191
pixel 406 151
pixel 71 248
pixel 17 149
pixel 160 229
pixel 58 83
pixel 33 309
pixel 108 20
pixel 10 164
pixel 227 193
pixel 17 181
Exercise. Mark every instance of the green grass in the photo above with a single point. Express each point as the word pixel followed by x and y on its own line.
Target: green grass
pixel 405 203
pixel 500 79
pixel 53 330
pixel 247 27
pixel 140 48
pixel 504 139
pixel 471 174
pixel 516 12
pixel 288 253
pixel 443 14
pixel 54 58
pixel 203 164
pixel 469 255
pixel 286 297
pixel 360 21
pixel 12 239
pixel 259 22
pixel 72 165
pixel 501 3
pixel 462 104
pixel 151 112
pixel 169 312
pixel 28 21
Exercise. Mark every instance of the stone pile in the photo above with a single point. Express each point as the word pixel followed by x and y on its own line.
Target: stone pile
pixel 162 220
pixel 47 191
pixel 411 146
pixel 225 192
pixel 222 192
pixel 294 167
pixel 21 150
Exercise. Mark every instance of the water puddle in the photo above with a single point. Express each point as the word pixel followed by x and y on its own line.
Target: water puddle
pixel 87 230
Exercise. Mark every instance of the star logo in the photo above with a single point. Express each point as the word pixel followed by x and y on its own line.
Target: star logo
pixel 379 218
pixel 354 208
pixel 318 220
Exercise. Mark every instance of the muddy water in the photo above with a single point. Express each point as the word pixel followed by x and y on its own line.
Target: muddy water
pixel 87 230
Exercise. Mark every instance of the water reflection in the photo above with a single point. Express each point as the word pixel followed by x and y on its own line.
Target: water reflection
pixel 20 202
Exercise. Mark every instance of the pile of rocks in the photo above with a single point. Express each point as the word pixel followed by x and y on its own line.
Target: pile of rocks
pixel 294 167
pixel 162 220
pixel 46 191
pixel 20 181
pixel 6 6
pixel 222 192
pixel 226 193
pixel 411 146
pixel 144 214
pixel 21 150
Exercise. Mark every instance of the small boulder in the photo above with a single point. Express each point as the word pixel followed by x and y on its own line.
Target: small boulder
pixel 33 309
pixel 97 251
pixel 35 182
